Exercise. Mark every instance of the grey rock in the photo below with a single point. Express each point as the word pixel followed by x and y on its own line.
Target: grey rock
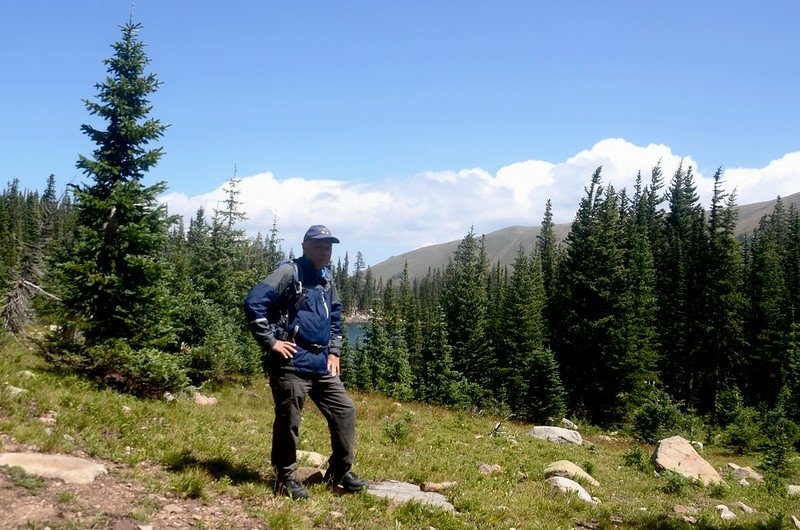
pixel 312 458
pixel 67 468
pixel 745 508
pixel 796 522
pixel 404 492
pixel 556 435
pixel 725 513
pixel 566 485
pixel 568 424
pixel 747 473
pixel 15 391
pixel 793 490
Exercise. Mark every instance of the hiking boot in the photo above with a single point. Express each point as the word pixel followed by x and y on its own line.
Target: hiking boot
pixel 291 488
pixel 347 483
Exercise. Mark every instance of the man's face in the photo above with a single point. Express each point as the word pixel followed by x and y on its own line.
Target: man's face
pixel 318 251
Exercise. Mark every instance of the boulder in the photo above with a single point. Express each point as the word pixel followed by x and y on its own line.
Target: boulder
pixel 566 485
pixel 565 468
pixel 676 454
pixel 556 435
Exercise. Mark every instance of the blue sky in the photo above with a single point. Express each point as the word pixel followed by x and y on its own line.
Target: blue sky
pixel 402 124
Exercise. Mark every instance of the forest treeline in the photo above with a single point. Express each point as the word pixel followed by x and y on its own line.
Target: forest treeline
pixel 650 308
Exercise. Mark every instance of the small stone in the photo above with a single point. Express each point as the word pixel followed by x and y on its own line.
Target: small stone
pixel 336 515
pixel 733 466
pixel 172 508
pixel 145 527
pixel 689 519
pixel 27 374
pixel 168 396
pixel 14 391
pixel 200 399
pixel 793 490
pixel 796 522
pixel 745 508
pixel 478 436
pixel 568 424
pixel 698 446
pixel 725 513
pixel 490 469
pixel 69 438
pixel 126 409
pixel 437 487
pixel 743 483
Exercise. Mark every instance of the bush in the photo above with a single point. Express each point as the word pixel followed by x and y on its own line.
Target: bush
pixel 656 418
pixel 728 406
pixel 147 372
pixel 780 434
pixel 743 435
pixel 636 459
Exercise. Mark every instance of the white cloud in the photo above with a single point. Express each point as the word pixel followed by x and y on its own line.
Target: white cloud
pixel 396 215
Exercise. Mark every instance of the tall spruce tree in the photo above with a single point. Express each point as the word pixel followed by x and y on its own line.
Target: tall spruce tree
pixel 769 312
pixel 464 301
pixel 115 284
pixel 679 267
pixel 547 248
pixel 591 348
pixel 719 356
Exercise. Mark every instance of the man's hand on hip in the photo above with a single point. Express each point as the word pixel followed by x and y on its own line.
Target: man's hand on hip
pixel 333 364
pixel 285 349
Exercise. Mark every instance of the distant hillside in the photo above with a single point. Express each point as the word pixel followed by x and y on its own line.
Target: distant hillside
pixel 502 244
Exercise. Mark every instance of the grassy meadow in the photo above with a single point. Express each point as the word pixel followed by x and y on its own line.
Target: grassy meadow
pixel 203 452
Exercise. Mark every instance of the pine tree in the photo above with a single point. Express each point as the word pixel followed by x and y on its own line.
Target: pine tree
pixel 590 339
pixel 719 357
pixel 464 300
pixel 547 249
pixel 115 284
pixel 679 267
pixel 768 312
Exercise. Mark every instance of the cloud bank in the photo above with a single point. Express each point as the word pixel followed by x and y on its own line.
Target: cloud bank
pixel 393 216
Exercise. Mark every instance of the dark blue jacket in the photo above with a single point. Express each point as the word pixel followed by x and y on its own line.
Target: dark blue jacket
pixel 311 318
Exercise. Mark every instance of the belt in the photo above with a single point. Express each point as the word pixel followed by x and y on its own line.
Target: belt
pixel 310 346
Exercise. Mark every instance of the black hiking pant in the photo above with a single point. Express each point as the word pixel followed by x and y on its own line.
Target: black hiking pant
pixel 289 391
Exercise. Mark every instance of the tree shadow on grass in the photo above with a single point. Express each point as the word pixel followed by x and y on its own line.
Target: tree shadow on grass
pixel 218 468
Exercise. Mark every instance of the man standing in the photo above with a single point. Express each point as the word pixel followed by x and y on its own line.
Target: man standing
pixel 296 316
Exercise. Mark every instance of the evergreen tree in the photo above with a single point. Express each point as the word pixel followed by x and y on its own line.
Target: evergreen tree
pixel 547 249
pixel 441 383
pixel 719 357
pixel 768 312
pixel 464 301
pixel 591 348
pixel 115 284
pixel 679 267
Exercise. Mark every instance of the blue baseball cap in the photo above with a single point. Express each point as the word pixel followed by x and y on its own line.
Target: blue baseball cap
pixel 319 233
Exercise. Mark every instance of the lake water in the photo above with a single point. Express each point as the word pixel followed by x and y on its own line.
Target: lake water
pixel 354 333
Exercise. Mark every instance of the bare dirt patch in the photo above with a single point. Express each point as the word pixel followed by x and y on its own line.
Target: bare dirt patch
pixel 111 501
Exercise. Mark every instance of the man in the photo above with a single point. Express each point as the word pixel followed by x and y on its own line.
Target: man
pixel 296 316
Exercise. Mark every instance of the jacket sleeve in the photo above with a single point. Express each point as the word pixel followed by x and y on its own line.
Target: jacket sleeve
pixel 262 301
pixel 335 346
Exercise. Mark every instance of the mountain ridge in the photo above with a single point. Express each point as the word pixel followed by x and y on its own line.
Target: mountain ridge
pixel 502 244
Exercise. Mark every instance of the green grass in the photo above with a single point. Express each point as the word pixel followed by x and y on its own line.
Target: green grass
pixel 201 452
